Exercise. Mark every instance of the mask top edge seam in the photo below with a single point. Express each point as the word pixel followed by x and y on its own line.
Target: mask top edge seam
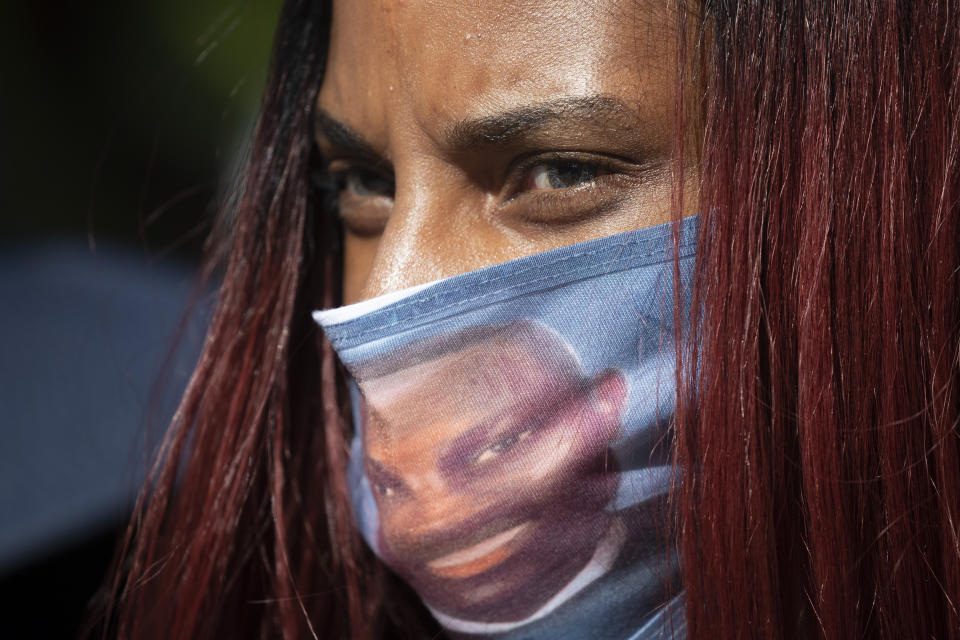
pixel 347 341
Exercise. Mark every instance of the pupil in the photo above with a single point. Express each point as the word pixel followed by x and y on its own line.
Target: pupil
pixel 570 174
pixel 504 444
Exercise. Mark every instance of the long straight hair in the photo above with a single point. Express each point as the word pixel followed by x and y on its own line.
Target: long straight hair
pixel 244 527
pixel 821 403
pixel 819 391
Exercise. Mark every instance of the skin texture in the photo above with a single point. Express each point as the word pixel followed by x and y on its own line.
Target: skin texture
pixel 491 470
pixel 463 134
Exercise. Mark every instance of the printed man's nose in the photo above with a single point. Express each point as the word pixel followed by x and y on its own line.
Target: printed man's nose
pixel 432 509
pixel 437 502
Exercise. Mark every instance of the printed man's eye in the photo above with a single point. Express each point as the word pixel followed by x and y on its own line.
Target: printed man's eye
pixel 384 490
pixel 500 446
pixel 562 174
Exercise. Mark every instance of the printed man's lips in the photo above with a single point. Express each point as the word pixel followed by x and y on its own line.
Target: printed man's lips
pixel 478 557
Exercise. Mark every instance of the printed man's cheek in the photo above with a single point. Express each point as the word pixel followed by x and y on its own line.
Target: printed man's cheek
pixel 609 394
pixel 591 422
pixel 401 534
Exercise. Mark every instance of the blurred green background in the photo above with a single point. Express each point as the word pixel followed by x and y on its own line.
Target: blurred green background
pixel 120 120
pixel 120 127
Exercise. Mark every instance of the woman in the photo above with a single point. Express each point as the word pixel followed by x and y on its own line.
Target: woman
pixel 816 482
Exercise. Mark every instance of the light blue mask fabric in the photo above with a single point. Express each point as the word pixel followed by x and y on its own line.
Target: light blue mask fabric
pixel 511 455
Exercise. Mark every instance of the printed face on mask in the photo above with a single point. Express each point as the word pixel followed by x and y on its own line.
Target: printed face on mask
pixel 490 467
pixel 510 457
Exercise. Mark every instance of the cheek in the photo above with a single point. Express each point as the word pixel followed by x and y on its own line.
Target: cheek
pixel 575 440
pixel 358 255
pixel 549 459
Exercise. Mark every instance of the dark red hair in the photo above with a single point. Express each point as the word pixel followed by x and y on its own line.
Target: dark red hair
pixel 817 426
pixel 820 432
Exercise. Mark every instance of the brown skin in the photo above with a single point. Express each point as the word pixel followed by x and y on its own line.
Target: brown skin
pixel 493 130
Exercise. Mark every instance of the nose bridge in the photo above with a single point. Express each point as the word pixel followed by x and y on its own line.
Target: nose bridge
pixel 439 508
pixel 408 251
pixel 431 493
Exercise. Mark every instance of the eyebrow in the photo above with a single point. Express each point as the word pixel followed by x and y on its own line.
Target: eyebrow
pixel 343 137
pixel 513 124
pixel 499 128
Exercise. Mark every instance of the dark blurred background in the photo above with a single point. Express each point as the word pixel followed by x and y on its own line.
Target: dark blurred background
pixel 121 124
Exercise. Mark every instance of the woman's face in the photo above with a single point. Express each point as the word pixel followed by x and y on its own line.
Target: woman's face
pixel 464 134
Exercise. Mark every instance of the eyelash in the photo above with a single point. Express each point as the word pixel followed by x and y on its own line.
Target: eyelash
pixel 519 172
pixel 567 205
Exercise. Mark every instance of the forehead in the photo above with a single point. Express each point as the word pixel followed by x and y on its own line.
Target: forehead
pixel 427 63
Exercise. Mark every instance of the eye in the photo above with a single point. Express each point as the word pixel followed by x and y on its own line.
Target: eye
pixel 362 196
pixel 561 174
pixel 570 187
pixel 383 481
pixel 384 490
pixel 362 182
pixel 500 446
pixel 385 484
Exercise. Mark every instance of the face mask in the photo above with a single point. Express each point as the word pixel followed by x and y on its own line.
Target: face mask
pixel 511 454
